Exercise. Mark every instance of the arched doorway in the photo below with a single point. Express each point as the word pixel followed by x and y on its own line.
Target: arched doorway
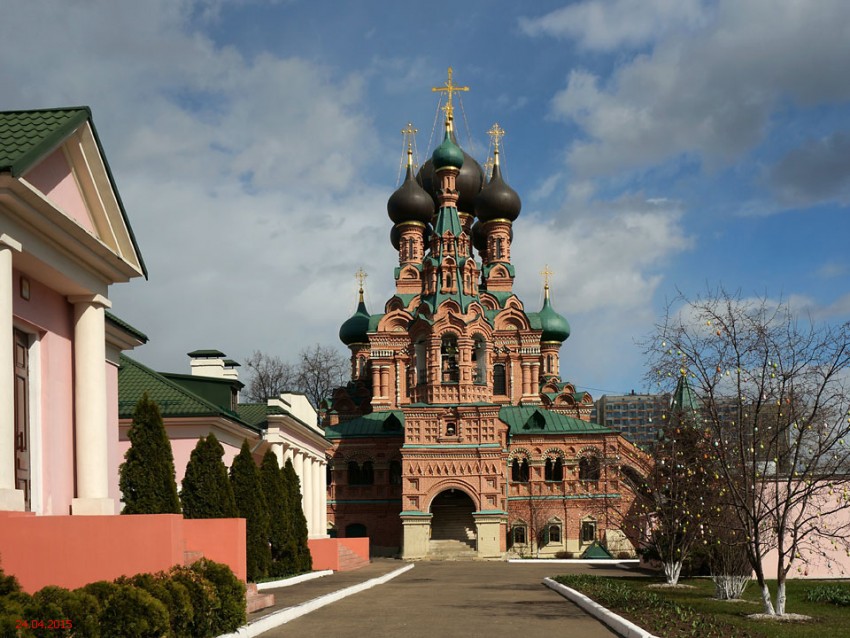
pixel 452 523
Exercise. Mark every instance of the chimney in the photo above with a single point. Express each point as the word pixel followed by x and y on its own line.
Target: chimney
pixel 208 363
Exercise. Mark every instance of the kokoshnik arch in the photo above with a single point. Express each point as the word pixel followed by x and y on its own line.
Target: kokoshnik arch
pixel 457 432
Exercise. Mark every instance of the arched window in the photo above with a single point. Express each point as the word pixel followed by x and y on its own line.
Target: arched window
pixel 479 360
pixel 588 531
pixel 520 535
pixel 353 473
pixel 519 471
pixel 367 475
pixel 395 472
pixel 554 530
pixel 554 469
pixel 499 380
pixel 421 366
pixel 451 429
pixel 588 469
pixel 355 530
pixel 449 356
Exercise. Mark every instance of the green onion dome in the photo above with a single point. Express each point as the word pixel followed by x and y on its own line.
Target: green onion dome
pixel 555 327
pixel 354 329
pixel 497 200
pixel 468 182
pixel 447 154
pixel 410 203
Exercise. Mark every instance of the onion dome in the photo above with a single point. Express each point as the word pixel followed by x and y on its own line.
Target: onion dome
pixel 555 327
pixel 468 183
pixel 479 237
pixel 354 329
pixel 410 203
pixel 447 154
pixel 497 200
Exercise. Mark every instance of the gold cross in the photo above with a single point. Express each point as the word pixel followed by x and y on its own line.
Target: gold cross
pixel 496 134
pixel 361 277
pixel 408 132
pixel 546 274
pixel 449 88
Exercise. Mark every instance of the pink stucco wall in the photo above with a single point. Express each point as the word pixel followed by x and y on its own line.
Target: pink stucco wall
pixel 49 317
pixel 53 177
pixel 326 554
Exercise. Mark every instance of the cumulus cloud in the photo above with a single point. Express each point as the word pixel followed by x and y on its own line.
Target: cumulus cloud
pixel 815 172
pixel 710 92
pixel 606 25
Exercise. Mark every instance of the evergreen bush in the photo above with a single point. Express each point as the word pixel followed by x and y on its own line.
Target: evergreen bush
pixel 281 539
pixel 14 605
pixel 231 593
pixel 171 593
pixel 207 492
pixel 58 604
pixel 147 473
pixel 133 613
pixel 303 560
pixel 248 491
pixel 205 601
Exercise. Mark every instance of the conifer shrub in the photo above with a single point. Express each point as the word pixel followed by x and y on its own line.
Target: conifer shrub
pixel 206 490
pixel 231 593
pixel 147 473
pixel 53 603
pixel 133 613
pixel 102 590
pixel 205 601
pixel 251 503
pixel 303 559
pixel 281 540
pixel 171 593
pixel 14 604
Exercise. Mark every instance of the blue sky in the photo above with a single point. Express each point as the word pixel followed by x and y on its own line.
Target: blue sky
pixel 657 145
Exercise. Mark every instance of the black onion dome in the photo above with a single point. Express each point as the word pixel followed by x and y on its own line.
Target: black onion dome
pixel 410 203
pixel 468 182
pixel 497 200
pixel 479 237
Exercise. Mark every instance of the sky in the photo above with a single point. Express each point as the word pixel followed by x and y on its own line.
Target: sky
pixel 658 146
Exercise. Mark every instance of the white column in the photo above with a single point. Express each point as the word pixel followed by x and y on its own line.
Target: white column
pixel 317 498
pixel 288 455
pixel 90 410
pixel 11 499
pixel 309 489
pixel 323 499
pixel 298 464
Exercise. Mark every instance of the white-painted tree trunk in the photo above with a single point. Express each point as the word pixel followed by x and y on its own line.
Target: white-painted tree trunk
pixel 780 598
pixel 672 569
pixel 765 598
pixel 729 586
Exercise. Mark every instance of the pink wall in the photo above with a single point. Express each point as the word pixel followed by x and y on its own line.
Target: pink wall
pixel 71 551
pixel 326 555
pixel 49 316
pixel 53 177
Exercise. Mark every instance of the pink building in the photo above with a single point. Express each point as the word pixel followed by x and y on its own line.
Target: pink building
pixel 64 239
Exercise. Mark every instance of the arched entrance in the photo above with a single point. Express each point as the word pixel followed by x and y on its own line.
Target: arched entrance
pixel 452 524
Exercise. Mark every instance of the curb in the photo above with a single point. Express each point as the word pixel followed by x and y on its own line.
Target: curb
pixel 613 562
pixel 287 582
pixel 291 613
pixel 617 623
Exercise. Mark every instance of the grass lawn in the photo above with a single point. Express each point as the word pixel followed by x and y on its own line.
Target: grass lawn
pixel 694 612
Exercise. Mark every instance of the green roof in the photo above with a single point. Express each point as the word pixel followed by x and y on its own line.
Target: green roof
pixel 141 336
pixel 174 400
pixel 388 423
pixel 525 420
pixel 257 414
pixel 27 137
pixel 596 551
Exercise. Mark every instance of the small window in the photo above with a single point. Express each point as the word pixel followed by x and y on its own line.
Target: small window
pixel 499 380
pixel 519 471
pixel 367 474
pixel 554 533
pixel 451 429
pixel 554 470
pixel 353 473
pixel 588 531
pixel 520 535
pixel 449 355
pixel 588 469
pixel 395 472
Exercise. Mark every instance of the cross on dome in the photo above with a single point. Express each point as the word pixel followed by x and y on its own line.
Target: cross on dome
pixel 449 88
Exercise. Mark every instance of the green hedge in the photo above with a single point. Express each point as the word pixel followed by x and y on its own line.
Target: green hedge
pixel 205 599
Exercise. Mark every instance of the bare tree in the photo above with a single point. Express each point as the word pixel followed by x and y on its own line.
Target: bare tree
pixel 776 406
pixel 269 376
pixel 320 369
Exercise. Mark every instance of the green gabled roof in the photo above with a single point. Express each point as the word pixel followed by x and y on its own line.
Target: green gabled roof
pixel 134 379
pixel 389 423
pixel 257 414
pixel 524 420
pixel 508 266
pixel 27 137
pixel 596 551
pixel 141 336
pixel 374 320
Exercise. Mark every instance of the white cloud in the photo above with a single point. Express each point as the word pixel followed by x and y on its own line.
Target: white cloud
pixel 606 25
pixel 711 92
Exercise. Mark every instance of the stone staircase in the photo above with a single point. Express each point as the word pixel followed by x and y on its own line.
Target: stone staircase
pixel 452 534
pixel 451 550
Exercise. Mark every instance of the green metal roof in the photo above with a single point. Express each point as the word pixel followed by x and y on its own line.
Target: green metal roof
pixel 389 423
pixel 257 414
pixel 525 420
pixel 174 400
pixel 596 551
pixel 501 296
pixel 27 137
pixel 141 336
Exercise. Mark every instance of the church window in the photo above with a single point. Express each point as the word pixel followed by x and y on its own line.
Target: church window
pixel 554 531
pixel 353 473
pixel 520 535
pixel 451 429
pixel 411 249
pixel 499 380
pixel 395 472
pixel 588 469
pixel 554 470
pixel 449 355
pixel 329 473
pixel 479 361
pixel 420 350
pixel 588 531
pixel 519 471
pixel 367 474
pixel 498 251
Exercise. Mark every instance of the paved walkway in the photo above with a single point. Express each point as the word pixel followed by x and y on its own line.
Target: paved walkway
pixel 441 600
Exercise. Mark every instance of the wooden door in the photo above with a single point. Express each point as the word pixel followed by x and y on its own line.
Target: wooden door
pixel 22 429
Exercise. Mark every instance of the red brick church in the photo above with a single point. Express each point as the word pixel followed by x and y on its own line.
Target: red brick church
pixel 458 433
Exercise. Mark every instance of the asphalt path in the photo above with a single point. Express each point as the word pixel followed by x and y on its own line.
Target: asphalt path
pixel 454 599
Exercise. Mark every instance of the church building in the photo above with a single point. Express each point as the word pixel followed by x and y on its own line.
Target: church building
pixel 458 434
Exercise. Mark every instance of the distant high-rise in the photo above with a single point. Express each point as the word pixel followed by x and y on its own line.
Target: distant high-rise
pixel 636 416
